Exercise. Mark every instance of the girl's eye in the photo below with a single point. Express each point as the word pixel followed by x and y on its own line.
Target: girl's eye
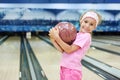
pixel 91 24
pixel 86 21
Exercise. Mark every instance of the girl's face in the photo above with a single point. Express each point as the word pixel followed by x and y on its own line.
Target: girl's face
pixel 88 24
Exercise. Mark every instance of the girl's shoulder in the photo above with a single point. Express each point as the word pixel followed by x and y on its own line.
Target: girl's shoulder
pixel 85 36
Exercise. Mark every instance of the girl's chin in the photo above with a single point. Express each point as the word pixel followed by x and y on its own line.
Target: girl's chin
pixel 85 31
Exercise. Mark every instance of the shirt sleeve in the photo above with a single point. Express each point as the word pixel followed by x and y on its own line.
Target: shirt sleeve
pixel 82 39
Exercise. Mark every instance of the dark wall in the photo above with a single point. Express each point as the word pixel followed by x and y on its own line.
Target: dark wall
pixel 59 1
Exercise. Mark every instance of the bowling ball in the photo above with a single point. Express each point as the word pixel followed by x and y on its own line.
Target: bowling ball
pixel 67 32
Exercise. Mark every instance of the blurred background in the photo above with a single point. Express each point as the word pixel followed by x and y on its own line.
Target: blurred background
pixel 26 52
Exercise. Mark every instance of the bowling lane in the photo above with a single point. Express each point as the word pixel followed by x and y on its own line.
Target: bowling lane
pixel 105 57
pixel 9 59
pixel 89 75
pixel 49 58
pixel 109 38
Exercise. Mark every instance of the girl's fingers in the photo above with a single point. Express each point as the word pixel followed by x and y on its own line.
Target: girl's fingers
pixel 50 31
pixel 53 32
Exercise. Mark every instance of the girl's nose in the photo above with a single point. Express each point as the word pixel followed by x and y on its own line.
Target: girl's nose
pixel 87 25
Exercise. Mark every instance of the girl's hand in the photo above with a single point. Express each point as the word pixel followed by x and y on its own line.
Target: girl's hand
pixel 54 33
pixel 55 43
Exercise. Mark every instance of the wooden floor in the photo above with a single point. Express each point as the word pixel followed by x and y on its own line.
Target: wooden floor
pixel 9 59
pixel 48 58
pixel 105 57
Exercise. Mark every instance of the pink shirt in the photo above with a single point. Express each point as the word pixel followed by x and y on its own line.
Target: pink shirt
pixel 73 60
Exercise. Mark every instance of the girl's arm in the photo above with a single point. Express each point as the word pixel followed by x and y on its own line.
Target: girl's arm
pixel 66 47
pixel 56 45
pixel 54 33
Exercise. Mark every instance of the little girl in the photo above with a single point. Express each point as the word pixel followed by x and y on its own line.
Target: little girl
pixel 70 66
